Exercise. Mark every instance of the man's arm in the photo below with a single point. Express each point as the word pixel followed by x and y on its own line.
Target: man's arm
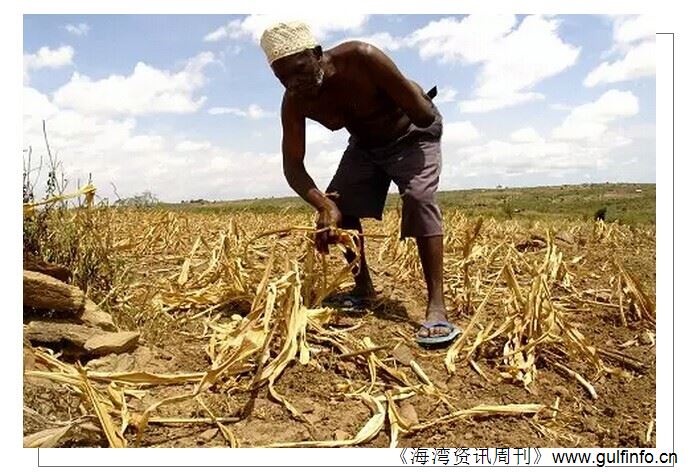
pixel 407 94
pixel 293 147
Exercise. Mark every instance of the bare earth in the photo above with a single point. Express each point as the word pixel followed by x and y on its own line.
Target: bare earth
pixel 585 296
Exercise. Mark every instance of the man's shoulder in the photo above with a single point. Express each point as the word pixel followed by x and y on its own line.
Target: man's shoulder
pixel 351 48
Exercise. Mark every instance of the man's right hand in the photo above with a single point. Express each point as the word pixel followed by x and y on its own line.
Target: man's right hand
pixel 328 219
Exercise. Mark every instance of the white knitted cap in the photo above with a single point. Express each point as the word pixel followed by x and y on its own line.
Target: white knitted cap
pixel 284 39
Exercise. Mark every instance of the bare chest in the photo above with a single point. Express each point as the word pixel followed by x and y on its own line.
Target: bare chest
pixel 346 108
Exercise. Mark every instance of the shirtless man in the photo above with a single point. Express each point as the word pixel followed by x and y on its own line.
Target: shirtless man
pixel 395 135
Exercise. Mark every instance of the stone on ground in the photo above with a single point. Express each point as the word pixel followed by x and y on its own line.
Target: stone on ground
pixel 116 342
pixel 40 332
pixel 41 291
pixel 93 316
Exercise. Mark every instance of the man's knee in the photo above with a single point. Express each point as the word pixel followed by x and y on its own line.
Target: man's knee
pixel 421 216
pixel 414 197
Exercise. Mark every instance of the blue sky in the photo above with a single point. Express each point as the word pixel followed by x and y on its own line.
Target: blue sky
pixel 185 106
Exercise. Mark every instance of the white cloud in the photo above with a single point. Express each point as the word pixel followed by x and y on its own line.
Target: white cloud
pixel 498 158
pixel 317 134
pixel 472 39
pixel 323 165
pixel 590 121
pixel 324 149
pixel 147 90
pixel 82 29
pixel 69 130
pixel 47 58
pixel 113 150
pixel 446 95
pixel 634 41
pixel 144 143
pixel 525 135
pixel 510 64
pixel 75 133
pixel 253 112
pixel 586 140
pixel 639 61
pixel 526 56
pixel 487 104
pixel 322 26
pixel 509 157
pixel 627 31
pixel 381 40
pixel 232 30
pixel 455 133
pixel 190 146
pixel 37 106
pixel 226 110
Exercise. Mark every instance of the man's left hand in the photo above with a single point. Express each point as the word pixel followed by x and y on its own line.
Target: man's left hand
pixel 328 219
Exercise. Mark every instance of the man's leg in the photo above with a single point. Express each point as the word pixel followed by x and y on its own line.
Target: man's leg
pixel 430 250
pixel 416 171
pixel 364 287
pixel 361 189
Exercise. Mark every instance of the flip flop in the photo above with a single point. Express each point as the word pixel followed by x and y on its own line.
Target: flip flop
pixel 347 303
pixel 431 341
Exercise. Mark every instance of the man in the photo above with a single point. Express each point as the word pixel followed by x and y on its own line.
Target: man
pixel 395 135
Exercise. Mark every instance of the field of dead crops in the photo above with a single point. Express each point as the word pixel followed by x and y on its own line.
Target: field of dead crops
pixel 237 347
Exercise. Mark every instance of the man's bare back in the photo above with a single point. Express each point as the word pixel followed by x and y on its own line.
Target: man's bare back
pixel 352 95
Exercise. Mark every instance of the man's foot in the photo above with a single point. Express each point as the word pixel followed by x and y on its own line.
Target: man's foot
pixel 436 331
pixel 358 299
pixel 435 314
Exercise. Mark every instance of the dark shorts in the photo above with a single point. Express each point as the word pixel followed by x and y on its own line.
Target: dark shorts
pixel 413 162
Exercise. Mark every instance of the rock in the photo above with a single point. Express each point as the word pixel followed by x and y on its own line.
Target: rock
pixel 402 354
pixel 646 338
pixel 114 363
pixel 93 316
pixel 59 333
pixel 36 264
pixel 209 434
pixel 565 238
pixel 314 418
pixel 408 413
pixel 41 291
pixel 117 342
pixel 341 435
pixel 29 359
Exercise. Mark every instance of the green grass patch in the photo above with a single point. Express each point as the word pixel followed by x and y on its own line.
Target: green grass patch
pixel 626 203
